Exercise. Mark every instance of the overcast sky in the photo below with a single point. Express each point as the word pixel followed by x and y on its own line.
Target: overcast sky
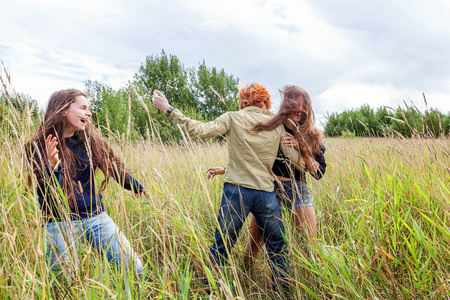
pixel 344 53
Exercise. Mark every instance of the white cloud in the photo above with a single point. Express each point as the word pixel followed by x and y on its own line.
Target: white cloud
pixel 343 53
pixel 353 94
pixel 347 95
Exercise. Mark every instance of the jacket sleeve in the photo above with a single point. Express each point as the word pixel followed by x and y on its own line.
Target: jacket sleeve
pixel 132 184
pixel 51 179
pixel 127 181
pixel 200 129
pixel 320 158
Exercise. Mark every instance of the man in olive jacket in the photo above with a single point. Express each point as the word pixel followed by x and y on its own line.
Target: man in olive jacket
pixel 248 182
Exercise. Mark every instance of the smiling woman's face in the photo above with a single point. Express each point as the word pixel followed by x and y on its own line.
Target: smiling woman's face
pixel 76 116
pixel 298 117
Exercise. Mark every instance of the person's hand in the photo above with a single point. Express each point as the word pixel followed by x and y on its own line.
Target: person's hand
pixel 140 194
pixel 52 152
pixel 290 141
pixel 211 172
pixel 160 101
pixel 312 165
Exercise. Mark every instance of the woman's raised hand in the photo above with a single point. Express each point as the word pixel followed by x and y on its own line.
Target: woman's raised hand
pixel 52 152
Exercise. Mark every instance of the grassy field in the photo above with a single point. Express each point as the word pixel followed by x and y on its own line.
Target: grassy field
pixel 383 212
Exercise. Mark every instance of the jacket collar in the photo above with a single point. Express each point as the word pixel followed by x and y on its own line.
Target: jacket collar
pixel 252 108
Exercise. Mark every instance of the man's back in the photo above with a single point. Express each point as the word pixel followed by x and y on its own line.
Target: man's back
pixel 251 155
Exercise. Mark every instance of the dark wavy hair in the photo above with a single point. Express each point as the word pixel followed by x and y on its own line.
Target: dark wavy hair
pixel 100 152
pixel 297 100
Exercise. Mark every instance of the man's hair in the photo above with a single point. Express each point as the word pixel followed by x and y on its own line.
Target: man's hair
pixel 254 94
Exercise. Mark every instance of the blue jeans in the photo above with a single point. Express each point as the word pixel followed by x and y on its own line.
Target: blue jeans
pixel 237 203
pixel 100 231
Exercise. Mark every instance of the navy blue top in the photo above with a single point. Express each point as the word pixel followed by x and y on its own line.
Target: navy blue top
pixel 88 202
pixel 283 167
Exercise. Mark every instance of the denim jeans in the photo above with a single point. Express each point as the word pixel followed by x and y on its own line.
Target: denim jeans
pixel 237 203
pixel 100 232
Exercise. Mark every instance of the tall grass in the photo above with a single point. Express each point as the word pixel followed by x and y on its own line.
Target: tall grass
pixel 383 212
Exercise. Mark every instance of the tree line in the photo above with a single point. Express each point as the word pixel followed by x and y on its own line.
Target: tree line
pixel 204 93
pixel 384 121
pixel 16 109
pixel 201 92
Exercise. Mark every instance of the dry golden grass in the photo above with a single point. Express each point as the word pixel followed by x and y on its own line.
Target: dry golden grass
pixel 382 210
pixel 383 223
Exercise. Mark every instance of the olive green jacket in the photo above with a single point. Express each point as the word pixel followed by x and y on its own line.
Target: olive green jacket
pixel 251 155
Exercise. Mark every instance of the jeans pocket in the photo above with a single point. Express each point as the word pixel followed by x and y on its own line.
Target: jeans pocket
pixel 229 187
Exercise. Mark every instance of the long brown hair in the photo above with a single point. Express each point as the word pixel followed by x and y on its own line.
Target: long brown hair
pixel 297 100
pixel 99 151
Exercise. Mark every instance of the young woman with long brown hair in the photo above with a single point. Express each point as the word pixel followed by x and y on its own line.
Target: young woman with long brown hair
pixel 63 156
pixel 297 116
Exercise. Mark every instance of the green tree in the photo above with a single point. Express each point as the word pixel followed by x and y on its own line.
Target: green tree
pixel 110 108
pixel 433 122
pixel 408 122
pixel 187 89
pixel 445 119
pixel 216 91
pixel 16 108
pixel 347 121
pixel 333 127
pixel 190 90
pixel 365 124
pixel 167 74
pixel 384 122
